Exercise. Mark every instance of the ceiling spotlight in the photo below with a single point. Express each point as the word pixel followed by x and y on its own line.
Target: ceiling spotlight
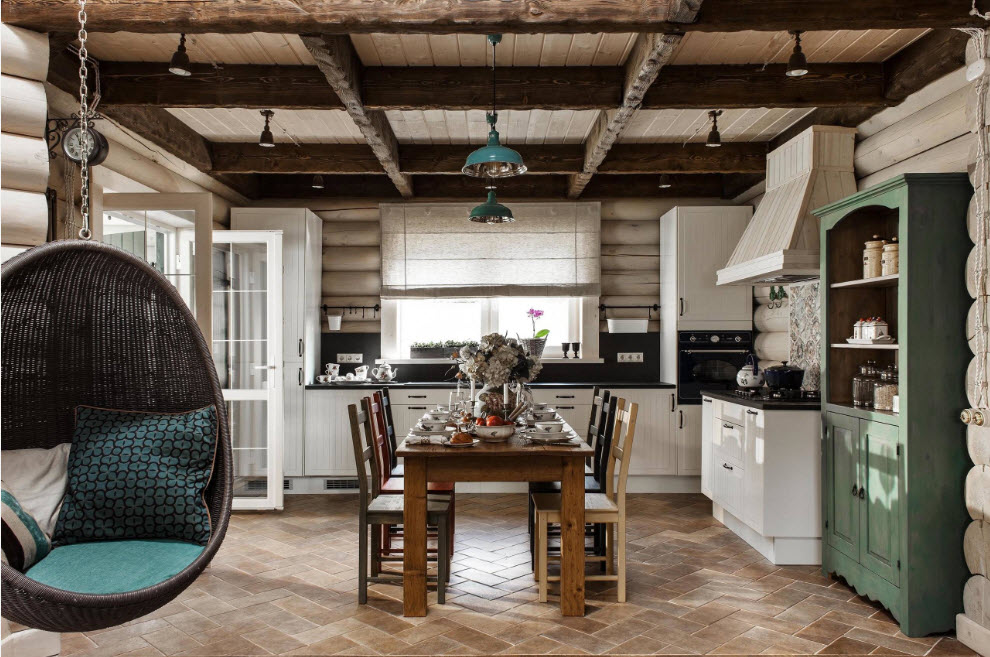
pixel 180 60
pixel 317 181
pixel 267 139
pixel 491 211
pixel 797 65
pixel 714 138
pixel 665 181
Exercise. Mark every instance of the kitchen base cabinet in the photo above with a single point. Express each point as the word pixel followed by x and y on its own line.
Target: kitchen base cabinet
pixel 688 439
pixel 329 451
pixel 764 477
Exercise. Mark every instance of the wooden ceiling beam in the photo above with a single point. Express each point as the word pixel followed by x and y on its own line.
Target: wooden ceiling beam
pixel 472 16
pixel 339 63
pixel 555 186
pixel 414 159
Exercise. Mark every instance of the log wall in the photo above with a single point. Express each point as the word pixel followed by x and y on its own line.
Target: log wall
pixel 24 166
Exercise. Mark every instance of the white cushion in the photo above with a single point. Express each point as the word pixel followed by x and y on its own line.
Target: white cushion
pixel 37 478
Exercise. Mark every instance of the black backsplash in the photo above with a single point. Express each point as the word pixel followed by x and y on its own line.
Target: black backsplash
pixel 609 345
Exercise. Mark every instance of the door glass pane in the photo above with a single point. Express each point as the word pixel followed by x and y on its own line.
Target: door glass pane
pixel 163 238
pixel 240 315
pixel 249 435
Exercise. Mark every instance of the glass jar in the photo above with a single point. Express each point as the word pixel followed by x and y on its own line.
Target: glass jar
pixel 885 389
pixel 863 384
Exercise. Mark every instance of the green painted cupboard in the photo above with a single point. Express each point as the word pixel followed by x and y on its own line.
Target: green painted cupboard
pixel 892 483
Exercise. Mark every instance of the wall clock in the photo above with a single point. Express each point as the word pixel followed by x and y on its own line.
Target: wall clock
pixel 72 146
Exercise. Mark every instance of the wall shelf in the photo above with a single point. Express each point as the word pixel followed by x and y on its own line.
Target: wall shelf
pixel 846 345
pixel 877 281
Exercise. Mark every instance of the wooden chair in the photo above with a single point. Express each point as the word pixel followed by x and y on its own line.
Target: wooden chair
pixel 605 508
pixel 376 510
pixel 386 402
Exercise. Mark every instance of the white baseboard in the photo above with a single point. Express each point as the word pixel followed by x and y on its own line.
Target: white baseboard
pixel 31 643
pixel 778 550
pixel 973 635
pixel 636 484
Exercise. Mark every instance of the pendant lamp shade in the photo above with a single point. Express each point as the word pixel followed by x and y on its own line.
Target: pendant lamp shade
pixel 491 212
pixel 797 65
pixel 180 60
pixel 714 136
pixel 494 160
pixel 665 181
pixel 267 139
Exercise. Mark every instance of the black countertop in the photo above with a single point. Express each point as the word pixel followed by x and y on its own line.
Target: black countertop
pixel 765 404
pixel 449 384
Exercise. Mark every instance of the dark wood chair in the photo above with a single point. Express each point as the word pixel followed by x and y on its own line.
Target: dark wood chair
pixel 386 402
pixel 376 510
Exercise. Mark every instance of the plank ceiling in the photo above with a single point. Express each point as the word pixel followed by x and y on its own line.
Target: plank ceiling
pixel 517 127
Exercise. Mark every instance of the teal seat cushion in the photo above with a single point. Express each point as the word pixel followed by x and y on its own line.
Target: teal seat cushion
pixel 113 566
pixel 138 475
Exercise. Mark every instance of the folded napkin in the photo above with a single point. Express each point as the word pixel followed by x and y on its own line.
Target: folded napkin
pixel 413 439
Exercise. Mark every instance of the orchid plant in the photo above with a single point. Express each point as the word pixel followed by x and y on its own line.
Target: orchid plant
pixel 534 314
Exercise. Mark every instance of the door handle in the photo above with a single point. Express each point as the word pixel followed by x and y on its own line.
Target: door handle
pixel 862 492
pixel 301 347
pixel 727 466
pixel 682 306
pixel 300 376
pixel 855 490
pixel 681 414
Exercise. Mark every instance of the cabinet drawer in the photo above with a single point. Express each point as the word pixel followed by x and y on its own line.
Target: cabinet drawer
pixel 420 396
pixel 729 441
pixel 727 480
pixel 734 413
pixel 564 396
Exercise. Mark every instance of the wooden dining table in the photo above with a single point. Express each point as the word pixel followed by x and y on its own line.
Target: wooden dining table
pixel 515 460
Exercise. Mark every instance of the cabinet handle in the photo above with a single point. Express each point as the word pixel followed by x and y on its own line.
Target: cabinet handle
pixel 726 425
pixel 682 306
pixel 563 396
pixel 565 408
pixel 681 414
pixel 301 347
pixel 727 466
pixel 417 396
pixel 751 412
pixel 300 376
pixel 862 492
pixel 416 408
pixel 855 490
pixel 673 404
pixel 706 400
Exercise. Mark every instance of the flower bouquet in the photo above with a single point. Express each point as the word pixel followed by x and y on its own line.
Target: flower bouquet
pixel 496 361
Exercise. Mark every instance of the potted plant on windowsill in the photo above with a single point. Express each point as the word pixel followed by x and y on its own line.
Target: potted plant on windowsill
pixel 437 349
pixel 534 345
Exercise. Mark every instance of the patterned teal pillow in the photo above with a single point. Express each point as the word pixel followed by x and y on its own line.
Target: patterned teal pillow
pixel 138 475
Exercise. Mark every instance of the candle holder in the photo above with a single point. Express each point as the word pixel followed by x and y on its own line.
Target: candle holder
pixel 576 346
pixel 565 346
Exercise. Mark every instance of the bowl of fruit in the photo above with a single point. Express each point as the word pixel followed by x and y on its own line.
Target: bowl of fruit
pixel 494 429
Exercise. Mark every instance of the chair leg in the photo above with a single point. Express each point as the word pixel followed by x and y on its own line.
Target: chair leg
pixel 600 544
pixel 363 563
pixel 443 565
pixel 376 548
pixel 453 506
pixel 542 549
pixel 387 539
pixel 531 526
pixel 609 539
pixel 622 558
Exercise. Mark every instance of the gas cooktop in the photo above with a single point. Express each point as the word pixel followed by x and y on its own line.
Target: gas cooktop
pixel 785 394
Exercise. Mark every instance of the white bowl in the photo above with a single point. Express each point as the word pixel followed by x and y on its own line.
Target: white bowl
pixel 433 425
pixel 439 416
pixel 551 426
pixel 545 415
pixel 495 433
pixel 540 407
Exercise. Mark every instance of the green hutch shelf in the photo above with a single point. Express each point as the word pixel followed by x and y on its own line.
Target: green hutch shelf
pixel 892 484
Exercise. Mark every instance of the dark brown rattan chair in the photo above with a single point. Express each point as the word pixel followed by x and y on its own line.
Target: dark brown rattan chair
pixel 87 323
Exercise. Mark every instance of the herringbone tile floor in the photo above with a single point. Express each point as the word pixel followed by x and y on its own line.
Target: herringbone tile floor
pixel 286 584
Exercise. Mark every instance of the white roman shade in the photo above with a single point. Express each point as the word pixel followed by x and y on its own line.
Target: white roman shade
pixel 431 250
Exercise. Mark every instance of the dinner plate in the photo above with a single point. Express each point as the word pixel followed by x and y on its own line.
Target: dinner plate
pixel 446 443
pixel 549 438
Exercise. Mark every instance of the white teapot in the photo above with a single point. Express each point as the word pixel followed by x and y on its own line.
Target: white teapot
pixel 750 376
pixel 385 372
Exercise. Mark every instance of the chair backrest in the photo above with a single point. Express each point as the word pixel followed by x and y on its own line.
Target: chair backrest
pixel 604 442
pixel 363 453
pixel 389 426
pixel 379 444
pixel 621 450
pixel 596 407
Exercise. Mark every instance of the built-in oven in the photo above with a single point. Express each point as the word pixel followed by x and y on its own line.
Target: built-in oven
pixel 709 360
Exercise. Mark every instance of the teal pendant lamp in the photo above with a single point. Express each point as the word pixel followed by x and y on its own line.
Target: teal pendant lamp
pixel 493 160
pixel 491 211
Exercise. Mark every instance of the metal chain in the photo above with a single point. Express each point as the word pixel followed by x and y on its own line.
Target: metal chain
pixel 84 233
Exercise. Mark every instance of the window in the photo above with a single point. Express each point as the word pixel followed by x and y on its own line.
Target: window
pixel 460 320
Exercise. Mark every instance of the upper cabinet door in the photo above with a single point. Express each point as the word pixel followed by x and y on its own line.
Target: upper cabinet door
pixel 880 533
pixel 706 237
pixel 842 445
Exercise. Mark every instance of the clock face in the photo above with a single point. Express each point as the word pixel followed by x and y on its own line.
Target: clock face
pixel 72 146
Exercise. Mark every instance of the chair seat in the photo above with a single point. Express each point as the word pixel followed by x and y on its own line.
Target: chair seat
pixel 388 509
pixel 105 567
pixel 597 507
pixel 591 485
pixel 398 470
pixel 396 485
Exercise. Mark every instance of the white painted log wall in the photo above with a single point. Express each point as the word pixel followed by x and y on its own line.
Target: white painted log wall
pixel 24 166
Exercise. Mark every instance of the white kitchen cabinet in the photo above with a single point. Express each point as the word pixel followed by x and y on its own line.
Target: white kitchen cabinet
pixel 688 439
pixel 695 243
pixel 654 450
pixel 302 264
pixel 327 427
pixel 766 475
pixel 707 428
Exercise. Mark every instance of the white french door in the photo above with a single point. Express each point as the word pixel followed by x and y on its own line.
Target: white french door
pixel 246 291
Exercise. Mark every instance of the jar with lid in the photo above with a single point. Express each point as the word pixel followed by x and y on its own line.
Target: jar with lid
pixel 871 257
pixel 889 257
pixel 885 389
pixel 863 384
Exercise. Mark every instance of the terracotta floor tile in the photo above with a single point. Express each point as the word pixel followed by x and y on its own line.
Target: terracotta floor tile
pixel 847 646
pixel 171 641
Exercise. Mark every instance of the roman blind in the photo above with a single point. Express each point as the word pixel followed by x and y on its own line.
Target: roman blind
pixel 433 251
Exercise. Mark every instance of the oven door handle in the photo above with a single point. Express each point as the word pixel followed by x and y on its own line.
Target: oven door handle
pixel 714 351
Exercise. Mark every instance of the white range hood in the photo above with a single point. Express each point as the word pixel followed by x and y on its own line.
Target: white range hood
pixel 780 244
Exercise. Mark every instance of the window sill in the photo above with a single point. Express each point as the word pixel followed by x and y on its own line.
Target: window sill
pixel 448 361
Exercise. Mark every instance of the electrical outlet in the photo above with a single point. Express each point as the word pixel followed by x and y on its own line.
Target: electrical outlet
pixel 357 358
pixel 630 357
pixel 350 358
